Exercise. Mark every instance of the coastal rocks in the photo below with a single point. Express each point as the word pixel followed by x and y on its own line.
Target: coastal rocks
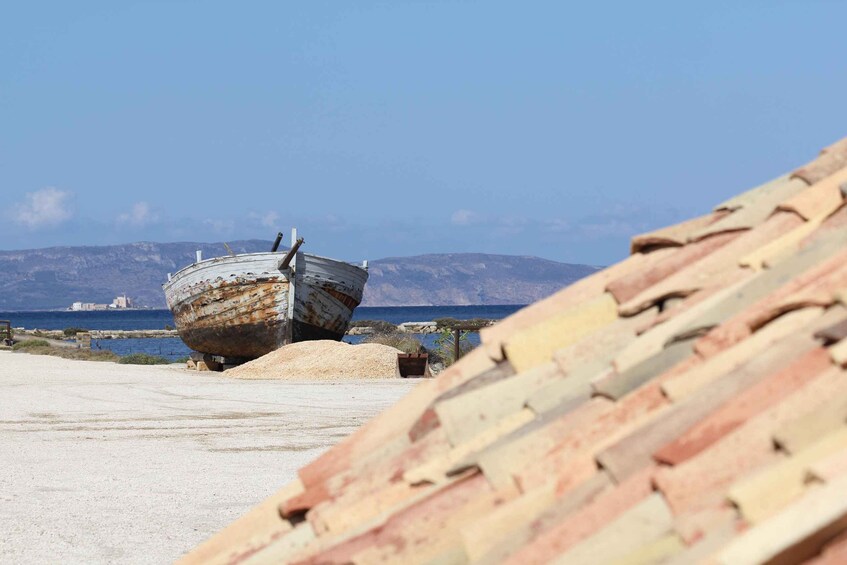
pixel 100 334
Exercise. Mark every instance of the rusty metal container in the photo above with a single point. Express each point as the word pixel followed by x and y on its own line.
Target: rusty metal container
pixel 413 365
pixel 244 306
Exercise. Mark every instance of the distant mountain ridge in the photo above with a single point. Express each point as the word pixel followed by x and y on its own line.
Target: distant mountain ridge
pixel 55 277
pixel 467 278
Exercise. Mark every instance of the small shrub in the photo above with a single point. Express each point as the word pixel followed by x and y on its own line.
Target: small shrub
pixel 445 349
pixel 182 359
pixel 72 331
pixel 168 327
pixel 404 342
pixel 143 359
pixel 30 343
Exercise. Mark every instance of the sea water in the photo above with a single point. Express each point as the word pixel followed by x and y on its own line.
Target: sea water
pixel 173 348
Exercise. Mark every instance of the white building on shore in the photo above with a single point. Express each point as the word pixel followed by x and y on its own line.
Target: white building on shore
pixel 119 303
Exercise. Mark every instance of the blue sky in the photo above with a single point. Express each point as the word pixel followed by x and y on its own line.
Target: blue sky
pixel 555 129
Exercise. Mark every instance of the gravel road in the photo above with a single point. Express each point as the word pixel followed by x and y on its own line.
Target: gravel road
pixel 107 463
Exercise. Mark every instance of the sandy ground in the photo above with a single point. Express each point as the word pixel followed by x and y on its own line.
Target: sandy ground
pixel 107 463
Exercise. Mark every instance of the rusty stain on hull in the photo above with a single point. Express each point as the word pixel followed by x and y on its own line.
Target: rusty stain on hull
pixel 239 306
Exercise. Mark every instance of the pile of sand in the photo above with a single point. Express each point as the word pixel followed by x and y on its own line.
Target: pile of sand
pixel 322 360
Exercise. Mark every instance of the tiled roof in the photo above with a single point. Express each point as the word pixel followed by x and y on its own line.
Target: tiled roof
pixel 688 404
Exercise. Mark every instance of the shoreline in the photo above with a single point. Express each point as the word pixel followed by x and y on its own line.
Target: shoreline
pixel 423 328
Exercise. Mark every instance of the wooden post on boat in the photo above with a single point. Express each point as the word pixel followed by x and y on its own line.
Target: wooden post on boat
pixel 292 281
pixel 291 254
pixel 276 242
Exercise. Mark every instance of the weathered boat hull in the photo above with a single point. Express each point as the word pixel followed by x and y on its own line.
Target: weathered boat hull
pixel 244 306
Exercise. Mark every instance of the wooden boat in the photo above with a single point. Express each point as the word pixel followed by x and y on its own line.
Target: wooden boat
pixel 246 305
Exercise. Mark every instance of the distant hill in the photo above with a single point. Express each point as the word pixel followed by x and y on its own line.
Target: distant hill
pixel 466 278
pixel 53 278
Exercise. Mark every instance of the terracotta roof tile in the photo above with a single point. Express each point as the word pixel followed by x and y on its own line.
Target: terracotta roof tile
pixel 699 480
pixel 719 268
pixel 766 493
pixel 524 532
pixel 802 432
pixel 833 225
pixel 831 159
pixel 705 547
pixel 829 468
pixel 582 290
pixel 783 330
pixel 630 285
pixel 819 200
pixel 483 535
pixel 544 444
pixel 635 451
pixel 580 445
pixel 467 415
pixel 620 384
pixel 797 533
pixel 815 287
pixel 675 235
pixel 760 204
pixel 835 332
pixel 657 551
pixel 761 396
pixel 838 353
pixel 833 553
pixel 645 523
pixel 534 346
pixel 585 521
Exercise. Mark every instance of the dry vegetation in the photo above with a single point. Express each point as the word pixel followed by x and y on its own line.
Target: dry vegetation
pixel 42 347
pixel 406 343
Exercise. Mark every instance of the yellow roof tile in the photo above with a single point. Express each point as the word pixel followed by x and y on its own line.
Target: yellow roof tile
pixel 481 536
pixel 838 353
pixel 796 533
pixel 581 291
pixel 829 468
pixel 657 551
pixel 819 200
pixel 764 494
pixel 782 248
pixel 802 432
pixel 648 521
pixel 535 345
pixel 467 415
pixel 435 470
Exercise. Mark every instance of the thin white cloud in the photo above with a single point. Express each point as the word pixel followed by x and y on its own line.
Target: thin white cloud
pixel 269 219
pixel 557 225
pixel 224 227
pixel 463 217
pixel 48 207
pixel 139 216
